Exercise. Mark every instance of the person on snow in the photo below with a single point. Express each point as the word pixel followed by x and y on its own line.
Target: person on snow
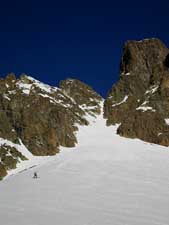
pixel 35 175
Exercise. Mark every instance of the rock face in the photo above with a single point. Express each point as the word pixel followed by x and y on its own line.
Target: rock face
pixel 83 95
pixel 41 116
pixel 139 102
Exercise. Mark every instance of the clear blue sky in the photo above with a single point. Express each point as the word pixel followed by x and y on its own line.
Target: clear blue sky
pixel 53 40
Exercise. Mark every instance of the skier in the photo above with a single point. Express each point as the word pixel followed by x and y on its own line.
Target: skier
pixel 35 175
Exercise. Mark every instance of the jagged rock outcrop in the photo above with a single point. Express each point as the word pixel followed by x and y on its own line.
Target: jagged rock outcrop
pixel 42 117
pixel 139 102
pixel 83 95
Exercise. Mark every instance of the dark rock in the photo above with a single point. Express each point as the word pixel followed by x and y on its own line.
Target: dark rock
pixel 166 62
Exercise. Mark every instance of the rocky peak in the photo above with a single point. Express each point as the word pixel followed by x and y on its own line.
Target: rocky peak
pixel 11 77
pixel 139 100
pixel 84 96
pixel 143 61
pixel 76 88
pixel 147 51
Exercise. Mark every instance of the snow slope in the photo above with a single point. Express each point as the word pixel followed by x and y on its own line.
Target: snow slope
pixel 105 180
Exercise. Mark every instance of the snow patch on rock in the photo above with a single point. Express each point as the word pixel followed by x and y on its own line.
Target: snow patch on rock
pixel 24 87
pixel 145 108
pixel 166 121
pixel 123 101
pixel 152 90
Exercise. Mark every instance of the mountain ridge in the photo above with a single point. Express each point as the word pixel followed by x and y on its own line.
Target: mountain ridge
pixel 41 116
pixel 37 118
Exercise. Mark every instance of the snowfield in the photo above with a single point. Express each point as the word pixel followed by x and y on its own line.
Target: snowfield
pixel 105 180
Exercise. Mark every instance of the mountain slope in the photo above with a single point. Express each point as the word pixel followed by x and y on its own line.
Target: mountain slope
pixel 106 179
pixel 140 99
pixel 41 117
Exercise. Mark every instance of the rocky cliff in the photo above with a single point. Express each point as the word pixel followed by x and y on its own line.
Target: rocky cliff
pixel 41 117
pixel 139 102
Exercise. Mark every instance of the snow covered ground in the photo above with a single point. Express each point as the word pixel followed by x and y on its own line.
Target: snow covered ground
pixel 105 180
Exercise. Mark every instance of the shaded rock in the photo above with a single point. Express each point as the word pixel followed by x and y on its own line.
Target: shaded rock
pixel 166 62
pixel 3 171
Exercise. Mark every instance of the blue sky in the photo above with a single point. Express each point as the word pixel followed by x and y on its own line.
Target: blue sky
pixel 52 41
